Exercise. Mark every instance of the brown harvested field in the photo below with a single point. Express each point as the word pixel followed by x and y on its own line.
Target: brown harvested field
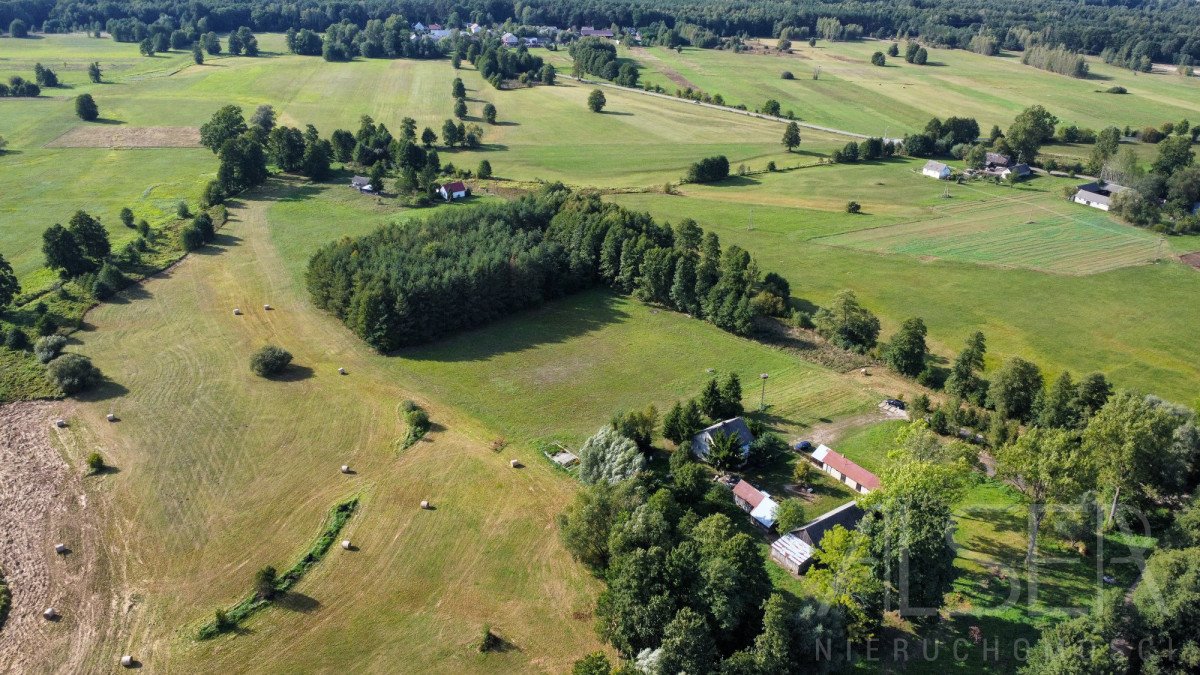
pixel 1192 259
pixel 115 136
pixel 43 503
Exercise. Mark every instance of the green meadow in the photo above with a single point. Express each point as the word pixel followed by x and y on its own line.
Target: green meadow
pixel 850 93
pixel 219 472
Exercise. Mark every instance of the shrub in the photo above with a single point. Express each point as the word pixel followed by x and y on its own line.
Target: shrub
pixel 407 405
pixel 418 420
pixel 73 373
pixel 787 75
pixel 853 207
pixel 95 462
pixel 16 340
pixel 49 347
pixel 264 582
pixel 45 324
pixel 86 108
pixel 182 210
pixel 191 238
pixel 1116 90
pixel 269 361
pixel 771 165
pixel 127 217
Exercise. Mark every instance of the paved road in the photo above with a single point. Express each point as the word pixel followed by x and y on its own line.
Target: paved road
pixel 714 106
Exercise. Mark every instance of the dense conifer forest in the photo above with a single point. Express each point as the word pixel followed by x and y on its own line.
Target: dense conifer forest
pixel 405 285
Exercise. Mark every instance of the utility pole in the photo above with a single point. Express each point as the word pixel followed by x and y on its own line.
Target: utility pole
pixel 762 399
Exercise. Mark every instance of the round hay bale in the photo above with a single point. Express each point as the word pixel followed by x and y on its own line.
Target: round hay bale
pixel 110 417
pixel 60 548
pixel 267 307
pixel 61 424
pixel 237 312
pixel 514 463
pixel 341 371
pixel 127 661
pixel 425 504
pixel 345 468
pixel 346 544
pixel 50 614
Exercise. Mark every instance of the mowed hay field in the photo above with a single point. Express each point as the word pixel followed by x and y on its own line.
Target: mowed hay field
pixel 221 472
pixel 913 252
pixel 543 132
pixel 854 95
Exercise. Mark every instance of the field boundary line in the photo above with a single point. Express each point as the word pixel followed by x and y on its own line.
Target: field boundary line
pixel 714 106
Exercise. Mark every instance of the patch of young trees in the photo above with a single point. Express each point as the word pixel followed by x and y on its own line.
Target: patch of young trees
pixel 1056 60
pixel 596 56
pixel 19 87
pixel 496 259
pixel 708 170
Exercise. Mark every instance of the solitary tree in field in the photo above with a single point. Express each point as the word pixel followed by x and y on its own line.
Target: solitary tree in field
pixel 489 113
pixel 3 144
pixel 878 59
pixel 485 169
pixel 18 29
pixel 907 351
pixel 94 71
pixel 771 107
pixel 596 101
pixel 428 137
pixel 459 90
pixel 86 108
pixel 791 136
pixel 146 47
pixel 197 54
pixel 460 109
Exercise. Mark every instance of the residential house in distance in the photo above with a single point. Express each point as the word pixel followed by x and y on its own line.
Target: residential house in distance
pixel 439 33
pixel 736 426
pixel 1017 171
pixel 361 183
pixel 510 40
pixel 794 550
pixel 475 28
pixel 995 160
pixel 1097 195
pixel 758 504
pixel 936 170
pixel 588 31
pixel 846 471
pixel 435 26
pixel 455 190
pixel 418 27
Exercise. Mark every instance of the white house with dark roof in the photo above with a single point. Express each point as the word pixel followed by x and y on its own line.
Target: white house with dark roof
pixel 1098 195
pixel 794 550
pixel 936 170
pixel 736 427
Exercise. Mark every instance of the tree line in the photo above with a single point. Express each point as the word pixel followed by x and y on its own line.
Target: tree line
pixel 407 285
pixel 1164 31
pixel 597 56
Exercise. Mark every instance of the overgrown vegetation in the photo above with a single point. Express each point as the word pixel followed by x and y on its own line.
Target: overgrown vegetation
pixel 417 421
pixel 268 585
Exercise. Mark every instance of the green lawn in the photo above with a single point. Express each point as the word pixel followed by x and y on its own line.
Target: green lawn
pixel 867 446
pixel 913 252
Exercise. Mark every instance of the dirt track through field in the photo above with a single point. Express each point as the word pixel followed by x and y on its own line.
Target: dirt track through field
pixel 42 503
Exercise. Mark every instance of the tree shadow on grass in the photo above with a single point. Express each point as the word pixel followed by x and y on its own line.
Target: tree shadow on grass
pixel 298 602
pixel 294 373
pixel 556 322
pixel 108 120
pixel 618 113
pixel 105 391
pixel 218 245
pixel 735 181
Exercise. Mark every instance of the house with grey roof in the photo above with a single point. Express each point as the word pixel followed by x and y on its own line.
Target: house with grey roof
pixel 1098 194
pixel 702 441
pixel 936 170
pixel 794 550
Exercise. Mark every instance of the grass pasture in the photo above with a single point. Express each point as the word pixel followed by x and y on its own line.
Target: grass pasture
pixel 1038 232
pixel 854 95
